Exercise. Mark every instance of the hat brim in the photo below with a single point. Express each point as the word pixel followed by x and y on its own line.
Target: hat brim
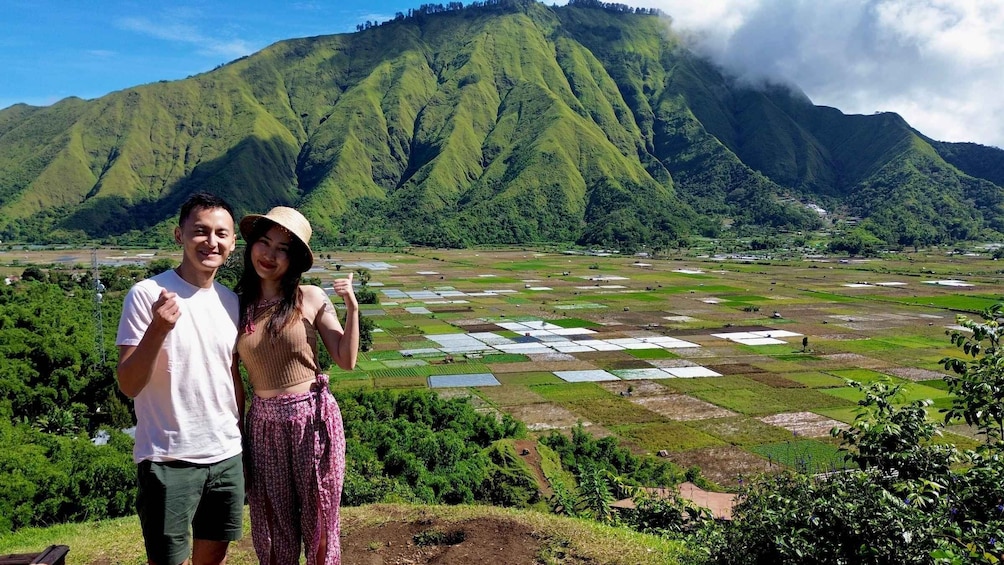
pixel 247 225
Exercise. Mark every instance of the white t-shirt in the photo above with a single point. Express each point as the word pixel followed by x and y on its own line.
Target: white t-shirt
pixel 188 411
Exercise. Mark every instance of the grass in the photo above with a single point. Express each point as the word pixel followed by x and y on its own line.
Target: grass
pixel 909 392
pixel 741 431
pixel 347 376
pixel 565 393
pixel 865 376
pixel 107 541
pixel 762 400
pixel 816 380
pixel 846 414
pixel 503 358
pixel 585 541
pixel 529 379
pixel 611 411
pixel 972 304
pixel 453 369
pixel 652 354
pixel 401 382
pixel 574 323
pixel 671 436
pixel 805 455
pixel 508 395
pixel 400 372
pixel 383 355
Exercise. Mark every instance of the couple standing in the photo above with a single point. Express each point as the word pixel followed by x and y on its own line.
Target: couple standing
pixel 181 337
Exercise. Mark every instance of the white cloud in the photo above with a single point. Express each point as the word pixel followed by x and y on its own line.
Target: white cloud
pixel 180 29
pixel 938 63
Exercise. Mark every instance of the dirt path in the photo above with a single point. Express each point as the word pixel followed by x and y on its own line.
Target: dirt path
pixel 527 451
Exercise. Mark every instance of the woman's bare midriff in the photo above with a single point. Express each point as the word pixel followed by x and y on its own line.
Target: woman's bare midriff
pixel 294 389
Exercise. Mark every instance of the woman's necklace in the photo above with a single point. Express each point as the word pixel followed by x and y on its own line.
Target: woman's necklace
pixel 258 308
pixel 263 304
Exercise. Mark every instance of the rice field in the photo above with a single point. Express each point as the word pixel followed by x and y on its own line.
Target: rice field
pixel 735 366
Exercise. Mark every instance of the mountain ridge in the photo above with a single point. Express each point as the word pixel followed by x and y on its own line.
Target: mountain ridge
pixel 501 122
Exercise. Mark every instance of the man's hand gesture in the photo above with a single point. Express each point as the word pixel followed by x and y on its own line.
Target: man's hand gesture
pixel 165 311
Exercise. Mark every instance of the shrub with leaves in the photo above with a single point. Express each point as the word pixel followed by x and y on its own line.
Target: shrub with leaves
pixel 910 500
pixel 663 515
pixel 977 384
pixel 894 440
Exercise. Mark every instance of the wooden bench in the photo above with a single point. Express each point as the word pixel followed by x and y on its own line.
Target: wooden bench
pixel 52 555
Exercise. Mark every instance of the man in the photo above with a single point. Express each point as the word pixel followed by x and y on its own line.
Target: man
pixel 176 344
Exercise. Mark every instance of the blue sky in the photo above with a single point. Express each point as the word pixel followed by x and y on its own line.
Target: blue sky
pixel 51 49
pixel 938 63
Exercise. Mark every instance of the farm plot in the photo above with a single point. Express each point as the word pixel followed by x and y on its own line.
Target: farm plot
pixel 724 465
pixel 806 455
pixel 742 431
pixel 681 407
pixel 666 436
pixel 685 356
pixel 805 424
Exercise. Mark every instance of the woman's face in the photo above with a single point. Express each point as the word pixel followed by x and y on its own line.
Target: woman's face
pixel 270 254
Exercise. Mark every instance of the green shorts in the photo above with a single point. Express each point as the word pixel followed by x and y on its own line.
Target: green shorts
pixel 176 495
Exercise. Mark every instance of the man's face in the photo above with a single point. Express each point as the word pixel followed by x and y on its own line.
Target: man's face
pixel 207 238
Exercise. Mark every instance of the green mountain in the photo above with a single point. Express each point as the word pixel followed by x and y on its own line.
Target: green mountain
pixel 505 121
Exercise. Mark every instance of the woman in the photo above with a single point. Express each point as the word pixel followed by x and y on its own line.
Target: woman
pixel 295 436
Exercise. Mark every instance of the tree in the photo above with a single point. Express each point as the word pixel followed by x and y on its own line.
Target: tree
pixel 978 381
pixel 365 295
pixel 231 271
pixel 158 266
pixel 895 440
pixel 34 273
pixel 366 326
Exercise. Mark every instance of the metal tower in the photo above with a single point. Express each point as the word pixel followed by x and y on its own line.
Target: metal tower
pixel 99 290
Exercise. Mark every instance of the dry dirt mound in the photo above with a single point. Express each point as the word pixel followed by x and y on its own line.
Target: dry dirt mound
pixel 406 537
pixel 484 540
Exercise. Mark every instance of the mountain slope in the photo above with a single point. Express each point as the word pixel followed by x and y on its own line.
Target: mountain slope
pixel 504 122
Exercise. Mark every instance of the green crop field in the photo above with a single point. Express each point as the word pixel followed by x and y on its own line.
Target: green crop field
pixel 806 455
pixel 621 329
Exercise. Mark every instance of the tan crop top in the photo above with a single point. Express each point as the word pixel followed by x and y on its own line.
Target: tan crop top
pixel 286 359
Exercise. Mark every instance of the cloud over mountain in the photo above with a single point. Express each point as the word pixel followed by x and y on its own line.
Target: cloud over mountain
pixel 938 63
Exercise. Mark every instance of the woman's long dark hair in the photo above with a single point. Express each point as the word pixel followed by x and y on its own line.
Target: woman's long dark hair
pixel 249 286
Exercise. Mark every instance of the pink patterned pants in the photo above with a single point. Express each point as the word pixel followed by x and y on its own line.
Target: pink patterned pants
pixel 298 466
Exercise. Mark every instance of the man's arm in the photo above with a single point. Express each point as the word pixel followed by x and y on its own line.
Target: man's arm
pixel 136 362
pixel 239 392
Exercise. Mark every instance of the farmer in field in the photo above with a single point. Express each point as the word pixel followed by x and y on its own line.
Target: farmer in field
pixel 176 359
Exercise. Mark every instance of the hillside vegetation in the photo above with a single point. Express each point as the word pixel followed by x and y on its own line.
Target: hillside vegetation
pixel 502 122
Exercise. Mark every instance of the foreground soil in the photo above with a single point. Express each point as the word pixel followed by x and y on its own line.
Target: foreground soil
pixel 483 540
pixel 394 535
pixel 398 534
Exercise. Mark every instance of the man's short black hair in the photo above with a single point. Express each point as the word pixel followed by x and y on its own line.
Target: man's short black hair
pixel 202 201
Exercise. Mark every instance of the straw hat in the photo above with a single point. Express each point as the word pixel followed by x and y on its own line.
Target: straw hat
pixel 287 218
